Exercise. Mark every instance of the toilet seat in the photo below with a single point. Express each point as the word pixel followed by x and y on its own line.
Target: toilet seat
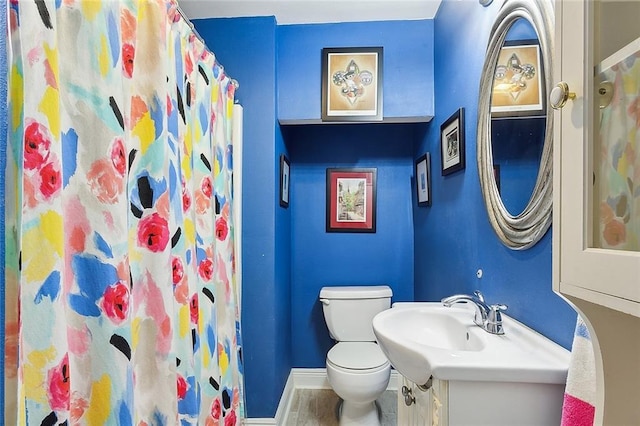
pixel 362 357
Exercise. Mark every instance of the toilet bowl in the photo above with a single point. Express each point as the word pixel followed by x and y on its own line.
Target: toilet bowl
pixel 359 373
pixel 357 370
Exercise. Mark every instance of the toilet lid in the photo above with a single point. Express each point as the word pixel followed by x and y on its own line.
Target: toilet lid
pixel 357 355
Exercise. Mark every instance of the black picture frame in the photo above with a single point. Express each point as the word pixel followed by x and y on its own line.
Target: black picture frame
pixel 423 180
pixel 285 180
pixel 452 143
pixel 351 200
pixel 351 86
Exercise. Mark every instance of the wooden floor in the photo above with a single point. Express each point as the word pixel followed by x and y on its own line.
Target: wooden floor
pixel 317 407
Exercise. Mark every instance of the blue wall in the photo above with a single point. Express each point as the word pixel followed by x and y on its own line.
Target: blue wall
pixel 284 266
pixel 320 258
pixel 407 66
pixel 453 238
pixel 247 49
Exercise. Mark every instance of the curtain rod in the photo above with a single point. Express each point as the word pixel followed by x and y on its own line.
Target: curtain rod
pixel 199 37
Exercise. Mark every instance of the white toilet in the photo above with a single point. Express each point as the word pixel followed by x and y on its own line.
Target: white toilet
pixel 357 369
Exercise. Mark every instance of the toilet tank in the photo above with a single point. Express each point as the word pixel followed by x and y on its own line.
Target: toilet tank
pixel 349 310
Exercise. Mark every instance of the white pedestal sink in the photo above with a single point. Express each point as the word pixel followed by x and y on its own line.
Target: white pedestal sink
pixel 425 339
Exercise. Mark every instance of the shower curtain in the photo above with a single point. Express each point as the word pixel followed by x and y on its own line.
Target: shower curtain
pixel 121 301
pixel 618 162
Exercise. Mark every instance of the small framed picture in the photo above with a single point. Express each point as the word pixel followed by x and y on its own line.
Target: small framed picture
pixel 351 84
pixel 452 143
pixel 423 180
pixel 284 181
pixel 518 86
pixel 351 200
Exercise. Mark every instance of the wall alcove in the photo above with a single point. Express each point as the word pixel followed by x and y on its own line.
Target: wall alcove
pixel 408 68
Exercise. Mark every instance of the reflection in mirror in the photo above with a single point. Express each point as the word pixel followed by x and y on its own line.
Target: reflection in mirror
pixel 518 121
pixel 517 149
pixel 522 216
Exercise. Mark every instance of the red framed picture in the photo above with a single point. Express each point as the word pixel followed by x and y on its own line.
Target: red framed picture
pixel 351 200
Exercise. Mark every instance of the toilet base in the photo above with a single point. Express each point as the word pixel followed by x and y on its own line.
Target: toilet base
pixel 354 413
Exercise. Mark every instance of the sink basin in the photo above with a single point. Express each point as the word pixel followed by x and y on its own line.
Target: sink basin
pixel 436 328
pixel 424 339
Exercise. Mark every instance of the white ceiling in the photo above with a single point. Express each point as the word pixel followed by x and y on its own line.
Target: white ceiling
pixel 313 11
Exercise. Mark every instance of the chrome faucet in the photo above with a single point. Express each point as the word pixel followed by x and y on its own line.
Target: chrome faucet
pixel 487 317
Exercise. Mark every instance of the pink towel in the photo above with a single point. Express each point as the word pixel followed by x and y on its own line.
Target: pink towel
pixel 579 397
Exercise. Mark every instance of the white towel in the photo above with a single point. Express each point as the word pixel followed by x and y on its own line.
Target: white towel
pixel 578 408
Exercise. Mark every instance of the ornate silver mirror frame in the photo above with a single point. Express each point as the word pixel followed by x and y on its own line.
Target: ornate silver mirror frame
pixel 527 228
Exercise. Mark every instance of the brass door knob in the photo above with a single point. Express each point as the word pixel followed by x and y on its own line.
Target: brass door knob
pixel 560 95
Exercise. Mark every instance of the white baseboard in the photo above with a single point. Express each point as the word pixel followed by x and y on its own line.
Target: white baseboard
pixel 285 401
pixel 310 378
pixel 303 378
pixel 255 421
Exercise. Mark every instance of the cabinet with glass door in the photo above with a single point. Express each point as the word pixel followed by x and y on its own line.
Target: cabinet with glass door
pixel 597 153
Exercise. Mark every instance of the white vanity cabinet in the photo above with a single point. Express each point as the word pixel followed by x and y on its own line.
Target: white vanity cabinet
pixel 469 403
pixel 418 407
pixel 597 153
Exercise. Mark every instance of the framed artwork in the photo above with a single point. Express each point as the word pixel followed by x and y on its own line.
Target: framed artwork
pixel 452 143
pixel 351 200
pixel 284 181
pixel 351 84
pixel 423 180
pixel 518 86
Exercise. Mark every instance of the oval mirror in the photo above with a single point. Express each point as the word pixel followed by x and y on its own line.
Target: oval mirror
pixel 513 129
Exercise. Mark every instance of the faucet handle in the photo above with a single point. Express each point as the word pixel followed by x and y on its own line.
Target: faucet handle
pixel 494 312
pixel 479 295
pixel 494 319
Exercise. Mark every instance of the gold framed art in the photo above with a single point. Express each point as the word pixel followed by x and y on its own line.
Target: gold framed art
pixel 518 87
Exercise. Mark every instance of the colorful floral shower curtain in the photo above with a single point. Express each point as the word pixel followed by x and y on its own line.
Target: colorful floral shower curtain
pixel 121 299
pixel 618 188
